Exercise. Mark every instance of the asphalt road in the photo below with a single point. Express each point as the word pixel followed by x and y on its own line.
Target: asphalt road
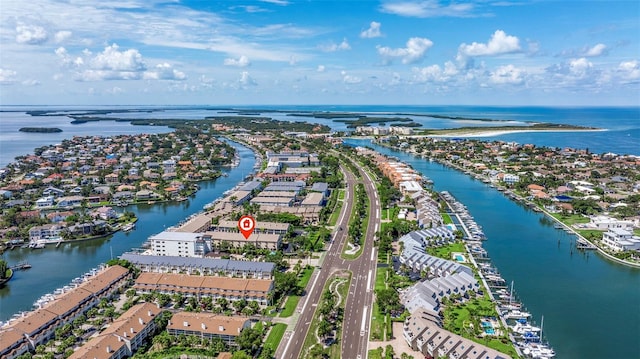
pixel 356 323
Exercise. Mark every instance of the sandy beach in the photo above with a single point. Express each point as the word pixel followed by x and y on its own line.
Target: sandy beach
pixel 478 132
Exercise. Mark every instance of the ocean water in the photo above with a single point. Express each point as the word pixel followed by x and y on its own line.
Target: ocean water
pixel 620 125
pixel 591 306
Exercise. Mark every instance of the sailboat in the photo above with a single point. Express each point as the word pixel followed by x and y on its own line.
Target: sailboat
pixel 539 350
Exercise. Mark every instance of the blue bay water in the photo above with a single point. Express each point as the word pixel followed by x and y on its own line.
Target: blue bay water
pixel 55 267
pixel 591 306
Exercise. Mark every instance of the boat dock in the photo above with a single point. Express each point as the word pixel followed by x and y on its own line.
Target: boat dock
pixel 20 266
pixel 524 336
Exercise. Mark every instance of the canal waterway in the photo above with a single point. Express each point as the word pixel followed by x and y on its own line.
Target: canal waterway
pixel 591 306
pixel 55 267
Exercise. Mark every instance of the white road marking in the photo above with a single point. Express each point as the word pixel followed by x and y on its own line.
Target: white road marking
pixel 369 280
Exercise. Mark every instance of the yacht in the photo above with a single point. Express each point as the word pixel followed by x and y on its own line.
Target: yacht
pixel 516 314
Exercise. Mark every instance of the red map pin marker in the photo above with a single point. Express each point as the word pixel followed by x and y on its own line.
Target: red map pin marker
pixel 246 224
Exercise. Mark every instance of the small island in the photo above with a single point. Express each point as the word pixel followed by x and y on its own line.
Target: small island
pixel 40 129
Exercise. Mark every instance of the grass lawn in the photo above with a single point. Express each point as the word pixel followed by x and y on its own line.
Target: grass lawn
pixel 336 213
pixel 341 194
pixel 570 219
pixel 591 234
pixel 385 214
pixel 377 318
pixel 292 301
pixel 275 335
pixel 365 224
pixel 445 251
pixel 446 218
pixel 375 353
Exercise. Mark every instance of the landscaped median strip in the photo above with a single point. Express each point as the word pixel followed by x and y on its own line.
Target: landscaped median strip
pixel 327 319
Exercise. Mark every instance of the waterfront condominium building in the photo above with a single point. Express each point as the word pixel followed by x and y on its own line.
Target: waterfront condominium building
pixel 204 266
pixel 208 326
pixel 37 327
pixel 206 286
pixel 124 336
pixel 422 333
pixel 185 244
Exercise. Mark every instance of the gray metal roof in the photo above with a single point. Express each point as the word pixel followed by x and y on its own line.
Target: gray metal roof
pixel 214 264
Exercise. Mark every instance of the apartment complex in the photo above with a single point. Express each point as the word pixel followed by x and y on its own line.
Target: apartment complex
pixel 124 336
pixel 211 286
pixel 37 327
pixel 422 333
pixel 208 326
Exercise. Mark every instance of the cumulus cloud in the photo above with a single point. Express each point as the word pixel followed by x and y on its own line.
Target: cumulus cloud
pixel 500 43
pixel 111 59
pixel 580 67
pixel 61 36
pixel 7 76
pixel 414 52
pixel 630 70
pixel 164 71
pixel 320 68
pixel 242 61
pixel 246 79
pixel 31 34
pixel 435 73
pixel 596 50
pixel 427 8
pixel 114 64
pixel 372 32
pixel 508 74
pixel 344 45
pixel 350 79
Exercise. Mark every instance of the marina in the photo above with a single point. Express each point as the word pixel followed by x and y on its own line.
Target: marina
pixel 509 308
pixel 541 260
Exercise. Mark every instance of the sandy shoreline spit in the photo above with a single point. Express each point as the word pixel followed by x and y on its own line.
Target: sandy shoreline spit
pixel 480 133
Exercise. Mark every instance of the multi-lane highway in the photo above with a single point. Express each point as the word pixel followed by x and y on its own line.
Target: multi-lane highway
pixel 356 322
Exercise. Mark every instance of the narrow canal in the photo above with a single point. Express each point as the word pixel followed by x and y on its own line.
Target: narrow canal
pixel 55 267
pixel 591 306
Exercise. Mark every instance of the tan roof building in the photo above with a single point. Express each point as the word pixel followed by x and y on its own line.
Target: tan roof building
pixel 199 286
pixel 206 325
pixel 123 336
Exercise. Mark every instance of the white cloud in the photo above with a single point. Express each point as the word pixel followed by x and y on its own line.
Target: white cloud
pixel 372 31
pixel 7 76
pixel 246 79
pixel 242 61
pixel 414 52
pixel 320 68
pixel 61 36
pixel 349 79
pixel 435 73
pixel 596 50
pixel 164 71
pixel 277 2
pixel 500 43
pixel 120 61
pixel 630 70
pixel 344 45
pixel 427 8
pixel 31 82
pixel 30 34
pixel 580 67
pixel 508 74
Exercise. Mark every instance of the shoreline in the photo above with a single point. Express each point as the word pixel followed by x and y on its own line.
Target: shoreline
pixel 548 215
pixel 492 133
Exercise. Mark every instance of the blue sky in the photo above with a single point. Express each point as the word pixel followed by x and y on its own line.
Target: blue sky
pixel 426 52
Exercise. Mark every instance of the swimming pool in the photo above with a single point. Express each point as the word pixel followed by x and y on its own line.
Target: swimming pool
pixel 459 258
